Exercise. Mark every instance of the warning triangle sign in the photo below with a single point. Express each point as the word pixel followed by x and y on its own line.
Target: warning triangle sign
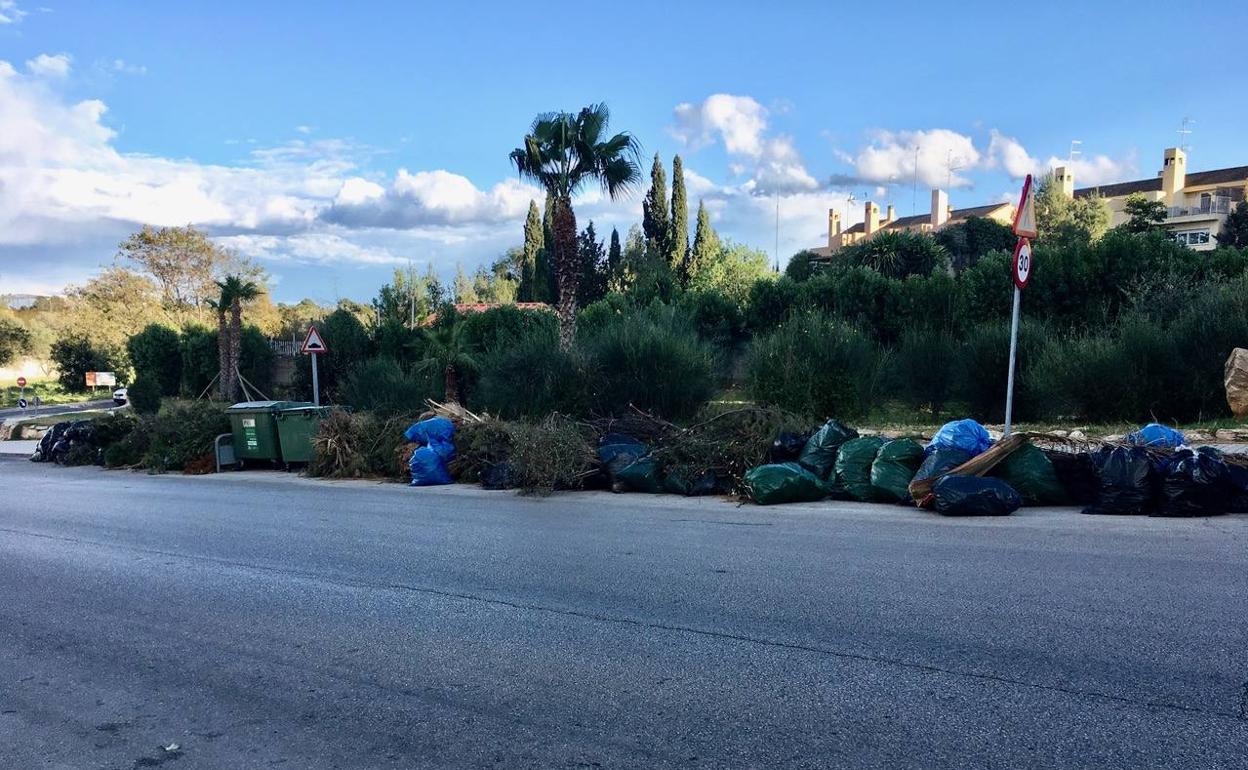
pixel 313 343
pixel 1025 217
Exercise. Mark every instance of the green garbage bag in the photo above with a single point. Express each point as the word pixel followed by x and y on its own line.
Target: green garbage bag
pixel 1029 470
pixel 819 454
pixel 784 483
pixel 894 468
pixel 642 475
pixel 853 469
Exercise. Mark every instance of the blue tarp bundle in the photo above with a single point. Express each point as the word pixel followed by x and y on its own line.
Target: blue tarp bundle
pixel 967 435
pixel 428 463
pixel 1157 435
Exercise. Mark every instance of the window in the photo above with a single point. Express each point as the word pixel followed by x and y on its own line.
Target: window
pixel 1192 237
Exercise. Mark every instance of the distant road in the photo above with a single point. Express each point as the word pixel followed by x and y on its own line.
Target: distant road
pixel 262 620
pixel 46 411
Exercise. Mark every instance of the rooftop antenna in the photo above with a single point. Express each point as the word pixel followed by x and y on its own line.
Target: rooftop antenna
pixel 914 182
pixel 851 199
pixel 950 168
pixel 1075 152
pixel 1184 131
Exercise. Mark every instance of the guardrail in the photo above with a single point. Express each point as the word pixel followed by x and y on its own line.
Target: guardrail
pixel 1207 206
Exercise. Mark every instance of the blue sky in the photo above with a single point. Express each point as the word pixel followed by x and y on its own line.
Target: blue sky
pixel 335 141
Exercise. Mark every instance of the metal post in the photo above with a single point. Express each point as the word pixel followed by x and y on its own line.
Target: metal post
pixel 316 384
pixel 1009 387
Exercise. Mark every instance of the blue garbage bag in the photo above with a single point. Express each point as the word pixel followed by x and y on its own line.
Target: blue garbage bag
pixel 428 467
pixel 967 435
pixel 1157 435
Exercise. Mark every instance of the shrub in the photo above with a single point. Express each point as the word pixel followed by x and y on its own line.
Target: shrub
pixel 983 368
pixel 156 352
pixel 773 301
pixel 716 317
pixel 532 378
pixel 199 359
pixel 75 356
pixel 358 445
pixel 815 366
pixel 501 327
pixel 897 254
pixel 549 455
pixel 129 450
pixel 652 359
pixel 479 446
pixel 349 346
pixel 183 431
pixel 255 359
pixel 925 369
pixel 596 316
pixel 380 385
pixel 15 340
pixel 144 394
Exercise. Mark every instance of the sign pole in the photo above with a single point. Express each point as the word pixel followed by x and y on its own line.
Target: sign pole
pixel 1009 386
pixel 316 385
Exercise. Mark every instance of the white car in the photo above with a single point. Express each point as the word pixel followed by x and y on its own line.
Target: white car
pixel 119 397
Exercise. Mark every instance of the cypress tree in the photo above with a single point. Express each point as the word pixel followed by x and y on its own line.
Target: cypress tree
pixel 705 243
pixel 532 254
pixel 655 222
pixel 615 263
pixel 548 287
pixel 593 284
pixel 678 238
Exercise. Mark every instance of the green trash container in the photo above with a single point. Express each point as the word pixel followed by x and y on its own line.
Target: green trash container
pixel 254 426
pixel 296 427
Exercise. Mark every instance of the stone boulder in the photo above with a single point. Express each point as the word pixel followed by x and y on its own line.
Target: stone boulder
pixel 1236 381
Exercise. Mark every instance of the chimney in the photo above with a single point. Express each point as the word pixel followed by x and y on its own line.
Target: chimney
pixel 870 218
pixel 892 213
pixel 1064 178
pixel 834 226
pixel 940 208
pixel 1173 175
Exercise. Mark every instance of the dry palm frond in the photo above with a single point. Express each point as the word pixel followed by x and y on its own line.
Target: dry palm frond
pixel 921 490
pixel 452 411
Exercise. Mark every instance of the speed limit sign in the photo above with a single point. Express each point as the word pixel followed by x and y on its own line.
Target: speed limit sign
pixel 1022 263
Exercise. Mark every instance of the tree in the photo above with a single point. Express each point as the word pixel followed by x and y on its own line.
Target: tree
pixel 615 263
pixel 112 306
pixel 156 355
pixel 655 222
pixel 1235 228
pixel 1067 222
pixel 705 242
pixel 234 292
pixel 678 239
pixel 969 240
pixel 75 356
pixel 532 289
pixel 733 271
pixel 801 265
pixel 184 263
pixel 1143 215
pixel 463 289
pixel 896 254
pixel 15 341
pixel 562 152
pixel 446 352
pixel 593 280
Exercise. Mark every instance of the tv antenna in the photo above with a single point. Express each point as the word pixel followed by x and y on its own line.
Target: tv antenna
pixel 950 167
pixel 914 182
pixel 1185 131
pixel 1075 152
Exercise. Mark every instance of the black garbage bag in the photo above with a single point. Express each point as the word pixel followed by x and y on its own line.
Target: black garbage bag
pixel 784 483
pixel 1126 482
pixel 853 469
pixel 787 447
pixel 975 496
pixel 641 475
pixel 1195 484
pixel 894 468
pixel 939 462
pixel 81 430
pixel 498 476
pixel 819 454
pixel 1031 474
pixel 706 483
pixel 1236 484
pixel 43 451
pixel 1076 472
pixel 616 452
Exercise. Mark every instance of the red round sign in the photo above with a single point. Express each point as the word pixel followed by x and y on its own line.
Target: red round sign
pixel 1022 263
pixel 21 382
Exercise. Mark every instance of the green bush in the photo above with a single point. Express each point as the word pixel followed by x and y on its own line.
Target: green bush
pixel 183 431
pixel 75 356
pixel 255 359
pixel 652 359
pixel 816 366
pixel 156 352
pixel 924 372
pixel 715 317
pixel 532 378
pixel 199 359
pixel 380 385
pixel 549 455
pixel 144 394
pixel 501 327
pixel 129 449
pixel 897 254
pixel 983 368
pixel 596 316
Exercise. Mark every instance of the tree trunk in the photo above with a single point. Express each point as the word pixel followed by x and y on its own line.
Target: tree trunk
pixel 223 356
pixel 567 269
pixel 451 379
pixel 236 333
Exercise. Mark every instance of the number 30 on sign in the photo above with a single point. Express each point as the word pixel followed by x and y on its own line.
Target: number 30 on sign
pixel 1022 263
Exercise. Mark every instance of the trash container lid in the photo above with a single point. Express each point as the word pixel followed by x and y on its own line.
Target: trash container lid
pixel 301 408
pixel 266 406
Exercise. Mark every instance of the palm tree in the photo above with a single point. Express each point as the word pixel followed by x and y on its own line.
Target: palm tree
pixel 234 292
pixel 446 352
pixel 563 151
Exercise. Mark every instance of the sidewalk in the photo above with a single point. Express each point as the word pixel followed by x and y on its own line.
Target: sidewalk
pixel 22 448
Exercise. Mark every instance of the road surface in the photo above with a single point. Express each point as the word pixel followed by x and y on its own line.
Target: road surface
pixel 261 620
pixel 31 413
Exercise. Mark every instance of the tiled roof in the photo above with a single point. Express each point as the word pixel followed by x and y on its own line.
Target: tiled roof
pixel 1119 189
pixel 975 211
pixel 1218 176
pixel 911 221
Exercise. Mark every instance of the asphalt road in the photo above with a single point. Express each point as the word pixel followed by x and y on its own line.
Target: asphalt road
pixel 47 411
pixel 261 620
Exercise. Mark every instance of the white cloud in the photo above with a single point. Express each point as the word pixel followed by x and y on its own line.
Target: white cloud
pixel 10 13
pixel 1007 153
pixel 50 65
pixel 936 156
pixel 1097 169
pixel 428 198
pixel 740 123
pixel 304 129
pixel 127 68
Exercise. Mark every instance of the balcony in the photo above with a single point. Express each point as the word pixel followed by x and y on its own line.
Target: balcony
pixel 1207 207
